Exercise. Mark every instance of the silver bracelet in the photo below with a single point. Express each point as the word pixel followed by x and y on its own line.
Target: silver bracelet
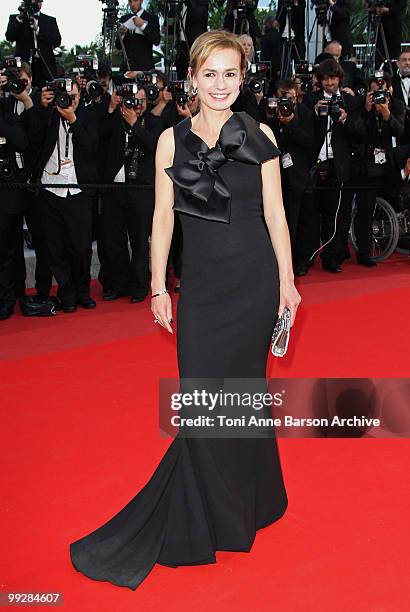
pixel 159 293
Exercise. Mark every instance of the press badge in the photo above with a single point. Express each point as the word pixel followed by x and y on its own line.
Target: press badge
pixel 287 160
pixel 379 156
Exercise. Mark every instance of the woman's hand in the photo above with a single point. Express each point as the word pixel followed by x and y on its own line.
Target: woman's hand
pixel 161 307
pixel 290 297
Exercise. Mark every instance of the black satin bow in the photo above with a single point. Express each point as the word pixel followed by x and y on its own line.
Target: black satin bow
pixel 203 193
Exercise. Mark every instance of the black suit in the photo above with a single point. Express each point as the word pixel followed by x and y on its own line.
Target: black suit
pixel 399 94
pixel 11 206
pixel 295 139
pixel 393 29
pixel 138 47
pixel 379 135
pixel 127 214
pixel 196 22
pixel 322 205
pixel 67 220
pixel 340 26
pixel 48 38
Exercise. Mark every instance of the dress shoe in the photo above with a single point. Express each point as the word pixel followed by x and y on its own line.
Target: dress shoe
pixel 111 295
pixel 6 312
pixel 137 298
pixel 68 307
pixel 365 260
pixel 86 302
pixel 331 266
pixel 301 270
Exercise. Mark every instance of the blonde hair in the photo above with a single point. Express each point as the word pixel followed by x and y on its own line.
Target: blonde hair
pixel 243 38
pixel 215 40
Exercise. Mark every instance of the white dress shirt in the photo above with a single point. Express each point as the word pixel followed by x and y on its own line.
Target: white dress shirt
pixel 326 152
pixel 67 173
pixel 405 87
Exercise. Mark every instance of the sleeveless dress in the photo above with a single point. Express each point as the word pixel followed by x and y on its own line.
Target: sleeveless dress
pixel 208 494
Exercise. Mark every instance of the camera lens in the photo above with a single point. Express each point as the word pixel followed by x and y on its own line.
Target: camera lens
pixel 63 100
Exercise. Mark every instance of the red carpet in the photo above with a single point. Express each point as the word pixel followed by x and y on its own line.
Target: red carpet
pixel 80 438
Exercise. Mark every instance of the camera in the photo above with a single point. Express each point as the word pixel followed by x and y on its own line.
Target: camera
pixel 87 66
pixel 60 88
pixel 179 91
pixel 280 106
pixel 381 96
pixel 148 81
pixel 29 8
pixel 257 77
pixel 331 107
pixel 304 71
pixel 10 67
pixel 127 92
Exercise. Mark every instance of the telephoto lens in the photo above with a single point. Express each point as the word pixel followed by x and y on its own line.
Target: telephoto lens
pixel 94 90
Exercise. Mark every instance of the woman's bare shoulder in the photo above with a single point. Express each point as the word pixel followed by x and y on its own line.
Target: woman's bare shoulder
pixel 267 130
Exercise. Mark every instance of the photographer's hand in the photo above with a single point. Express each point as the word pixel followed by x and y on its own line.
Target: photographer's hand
pixel 3 80
pixel 183 111
pixel 384 110
pixel 129 115
pixel 114 103
pixel 343 115
pixel 46 97
pixel 318 104
pixel 68 114
pixel 285 120
pixel 138 21
pixel 25 98
pixel 369 101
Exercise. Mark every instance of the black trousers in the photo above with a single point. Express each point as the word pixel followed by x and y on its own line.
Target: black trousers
pixel 127 216
pixel 10 238
pixel 67 226
pixel 43 274
pixel 317 225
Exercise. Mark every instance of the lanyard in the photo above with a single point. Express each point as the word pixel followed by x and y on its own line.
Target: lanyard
pixel 67 147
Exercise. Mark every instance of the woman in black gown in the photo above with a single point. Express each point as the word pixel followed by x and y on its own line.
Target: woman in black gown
pixel 220 172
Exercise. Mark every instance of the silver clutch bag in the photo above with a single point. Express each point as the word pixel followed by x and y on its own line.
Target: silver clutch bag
pixel 281 333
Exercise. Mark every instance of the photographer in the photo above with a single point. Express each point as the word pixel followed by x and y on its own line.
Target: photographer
pixel 131 135
pixel 292 124
pixel 384 120
pixel 139 31
pixel 391 13
pixel 337 125
pixel 21 103
pixel 338 26
pixel 297 23
pixel 67 137
pixel 193 22
pixel 35 35
pixel 240 18
pixel 13 139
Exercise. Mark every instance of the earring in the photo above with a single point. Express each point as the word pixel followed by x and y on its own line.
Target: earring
pixel 194 91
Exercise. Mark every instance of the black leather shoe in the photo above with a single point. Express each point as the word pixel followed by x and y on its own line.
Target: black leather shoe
pixel 86 302
pixel 331 266
pixel 111 295
pixel 137 298
pixel 67 307
pixel 6 312
pixel 301 270
pixel 364 260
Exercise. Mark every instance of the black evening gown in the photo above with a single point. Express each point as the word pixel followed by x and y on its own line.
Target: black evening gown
pixel 208 494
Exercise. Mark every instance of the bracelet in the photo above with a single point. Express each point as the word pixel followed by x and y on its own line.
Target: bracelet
pixel 159 293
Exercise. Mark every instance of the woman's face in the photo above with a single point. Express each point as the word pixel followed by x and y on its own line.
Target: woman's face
pixel 247 44
pixel 218 79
